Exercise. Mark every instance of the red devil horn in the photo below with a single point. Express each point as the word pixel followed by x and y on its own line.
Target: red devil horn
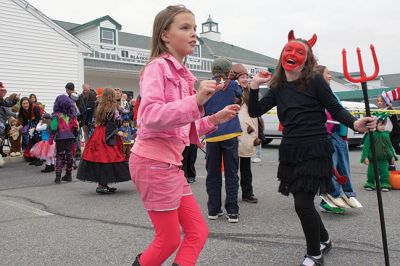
pixel 291 36
pixel 312 41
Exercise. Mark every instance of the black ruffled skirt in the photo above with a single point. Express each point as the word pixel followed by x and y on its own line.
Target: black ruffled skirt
pixel 103 173
pixel 305 166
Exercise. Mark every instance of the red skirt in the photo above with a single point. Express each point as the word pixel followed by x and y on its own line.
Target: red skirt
pixel 43 150
pixel 96 150
pixel 102 163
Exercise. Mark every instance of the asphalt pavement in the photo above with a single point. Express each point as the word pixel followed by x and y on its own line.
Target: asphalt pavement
pixel 69 224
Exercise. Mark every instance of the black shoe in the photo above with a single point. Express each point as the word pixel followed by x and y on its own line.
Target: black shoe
pixel 67 177
pixel 52 167
pixel 232 218
pixel 112 189
pixel 325 247
pixel 136 262
pixel 47 169
pixel 104 190
pixel 58 179
pixel 250 199
pixel 191 179
pixel 317 262
pixel 39 163
pixel 3 154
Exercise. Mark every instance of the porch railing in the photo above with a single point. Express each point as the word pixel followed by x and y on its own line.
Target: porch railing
pixel 137 56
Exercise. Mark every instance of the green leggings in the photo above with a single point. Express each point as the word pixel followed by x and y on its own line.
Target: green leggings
pixel 383 170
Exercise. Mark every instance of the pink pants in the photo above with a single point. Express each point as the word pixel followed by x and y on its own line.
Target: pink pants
pixel 168 235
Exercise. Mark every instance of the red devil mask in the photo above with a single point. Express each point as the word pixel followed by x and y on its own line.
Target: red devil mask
pixel 295 52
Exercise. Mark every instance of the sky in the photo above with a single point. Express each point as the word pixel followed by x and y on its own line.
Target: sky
pixel 262 26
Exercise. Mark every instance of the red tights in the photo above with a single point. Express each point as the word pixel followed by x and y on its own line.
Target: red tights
pixel 168 234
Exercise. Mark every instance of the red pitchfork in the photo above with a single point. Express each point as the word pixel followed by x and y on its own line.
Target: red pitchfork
pixel 363 79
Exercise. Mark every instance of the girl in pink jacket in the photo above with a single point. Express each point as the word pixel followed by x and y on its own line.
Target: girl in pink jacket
pixel 170 118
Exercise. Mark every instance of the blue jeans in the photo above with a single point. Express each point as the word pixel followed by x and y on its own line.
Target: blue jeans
pixel 341 162
pixel 259 151
pixel 228 149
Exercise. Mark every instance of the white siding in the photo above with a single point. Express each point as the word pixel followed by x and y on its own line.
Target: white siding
pixel 34 57
pixel 336 86
pixel 89 36
pixel 107 24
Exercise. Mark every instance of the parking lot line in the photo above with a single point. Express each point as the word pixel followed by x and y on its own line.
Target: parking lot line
pixel 26 208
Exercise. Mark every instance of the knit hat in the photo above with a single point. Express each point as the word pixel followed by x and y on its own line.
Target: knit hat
pixel 221 66
pixel 70 86
pixel 2 88
pixel 99 92
pixel 390 96
pixel 237 70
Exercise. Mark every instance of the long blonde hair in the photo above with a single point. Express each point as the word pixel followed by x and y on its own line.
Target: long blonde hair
pixel 107 105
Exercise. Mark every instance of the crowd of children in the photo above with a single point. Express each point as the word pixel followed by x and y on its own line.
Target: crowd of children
pixel 171 118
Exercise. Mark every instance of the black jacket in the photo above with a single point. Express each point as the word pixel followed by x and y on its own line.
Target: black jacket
pixel 86 108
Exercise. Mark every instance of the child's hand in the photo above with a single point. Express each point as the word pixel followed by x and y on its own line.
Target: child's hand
pixel 392 161
pixel 225 114
pixel 31 130
pixel 261 77
pixel 366 161
pixel 206 90
pixel 120 133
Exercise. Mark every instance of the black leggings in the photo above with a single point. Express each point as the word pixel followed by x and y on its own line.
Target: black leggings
pixel 313 228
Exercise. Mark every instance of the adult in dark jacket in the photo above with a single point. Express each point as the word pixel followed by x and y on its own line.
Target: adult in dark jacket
pixel 86 105
pixel 5 112
pixel 29 116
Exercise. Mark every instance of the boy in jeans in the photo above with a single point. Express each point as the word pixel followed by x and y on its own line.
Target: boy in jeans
pixel 222 144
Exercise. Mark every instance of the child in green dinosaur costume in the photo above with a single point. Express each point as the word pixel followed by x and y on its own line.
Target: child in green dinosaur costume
pixel 384 154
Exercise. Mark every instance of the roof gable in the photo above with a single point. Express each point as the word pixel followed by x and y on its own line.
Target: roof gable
pixel 84 48
pixel 213 49
pixel 95 23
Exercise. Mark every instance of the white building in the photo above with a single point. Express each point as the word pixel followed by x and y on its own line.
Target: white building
pixel 40 55
pixel 36 55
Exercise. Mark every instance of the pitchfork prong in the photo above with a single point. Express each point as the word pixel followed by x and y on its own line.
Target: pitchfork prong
pixel 363 77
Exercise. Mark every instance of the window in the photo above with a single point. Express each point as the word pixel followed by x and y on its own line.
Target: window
pixel 196 51
pixel 206 27
pixel 108 36
pixel 124 53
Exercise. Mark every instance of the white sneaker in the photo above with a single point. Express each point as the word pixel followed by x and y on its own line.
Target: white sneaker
pixel 1 161
pixel 12 154
pixel 17 153
pixel 352 202
pixel 256 160
pixel 215 217
pixel 338 202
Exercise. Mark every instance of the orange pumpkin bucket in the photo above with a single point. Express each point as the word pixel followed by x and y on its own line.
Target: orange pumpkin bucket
pixel 395 179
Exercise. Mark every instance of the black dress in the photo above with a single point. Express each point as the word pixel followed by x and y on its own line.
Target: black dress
pixel 305 153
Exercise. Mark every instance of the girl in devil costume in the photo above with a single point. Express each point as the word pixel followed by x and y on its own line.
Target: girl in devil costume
pixel 305 152
pixel 103 160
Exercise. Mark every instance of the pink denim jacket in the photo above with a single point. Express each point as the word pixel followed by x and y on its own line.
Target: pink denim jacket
pixel 168 103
